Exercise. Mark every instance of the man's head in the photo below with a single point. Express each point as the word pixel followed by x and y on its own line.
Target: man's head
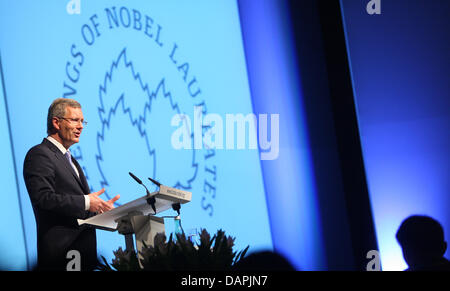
pixel 422 240
pixel 65 121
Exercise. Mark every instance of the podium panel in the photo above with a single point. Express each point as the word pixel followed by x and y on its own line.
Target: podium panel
pixel 162 200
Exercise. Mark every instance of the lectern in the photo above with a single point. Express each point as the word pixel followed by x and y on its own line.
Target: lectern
pixel 138 217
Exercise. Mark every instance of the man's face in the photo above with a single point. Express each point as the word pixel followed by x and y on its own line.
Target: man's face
pixel 70 127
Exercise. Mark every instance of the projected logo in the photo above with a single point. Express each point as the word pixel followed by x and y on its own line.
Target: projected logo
pixel 132 92
pixel 127 121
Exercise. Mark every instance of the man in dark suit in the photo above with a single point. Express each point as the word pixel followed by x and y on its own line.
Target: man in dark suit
pixel 59 191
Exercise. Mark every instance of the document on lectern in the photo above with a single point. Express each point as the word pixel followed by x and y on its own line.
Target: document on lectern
pixel 164 198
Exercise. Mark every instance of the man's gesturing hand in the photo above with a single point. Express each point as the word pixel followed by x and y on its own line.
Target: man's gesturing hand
pixel 99 205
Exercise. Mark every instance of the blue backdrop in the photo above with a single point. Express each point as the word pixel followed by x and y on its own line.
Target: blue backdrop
pixel 133 67
pixel 400 65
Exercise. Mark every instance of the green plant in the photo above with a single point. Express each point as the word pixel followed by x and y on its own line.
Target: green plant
pixel 212 254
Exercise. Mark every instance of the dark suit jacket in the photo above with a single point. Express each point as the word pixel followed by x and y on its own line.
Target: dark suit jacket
pixel 56 194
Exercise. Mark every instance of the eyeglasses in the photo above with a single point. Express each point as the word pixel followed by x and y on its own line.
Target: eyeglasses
pixel 75 121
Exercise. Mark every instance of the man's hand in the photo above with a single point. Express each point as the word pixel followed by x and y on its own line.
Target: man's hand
pixel 99 205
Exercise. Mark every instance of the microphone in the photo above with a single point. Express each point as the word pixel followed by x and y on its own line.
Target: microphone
pixel 135 178
pixel 151 199
pixel 139 182
pixel 155 182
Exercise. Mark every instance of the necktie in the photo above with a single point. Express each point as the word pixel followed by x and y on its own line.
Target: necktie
pixel 69 158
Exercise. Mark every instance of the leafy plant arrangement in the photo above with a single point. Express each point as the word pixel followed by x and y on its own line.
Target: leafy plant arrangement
pixel 212 254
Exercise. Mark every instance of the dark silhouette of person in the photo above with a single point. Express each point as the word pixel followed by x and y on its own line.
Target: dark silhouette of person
pixel 264 261
pixel 423 245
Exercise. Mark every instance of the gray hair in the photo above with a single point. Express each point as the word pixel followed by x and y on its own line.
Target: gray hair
pixel 58 109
